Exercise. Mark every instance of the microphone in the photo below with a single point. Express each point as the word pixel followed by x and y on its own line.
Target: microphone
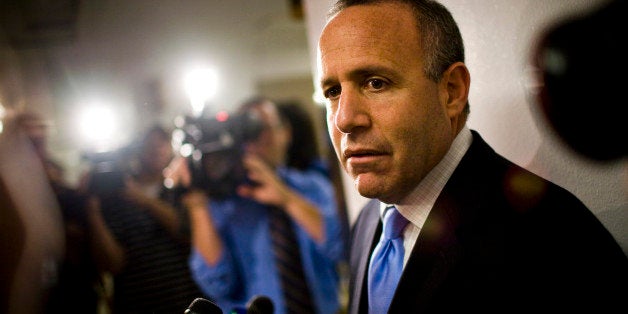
pixel 260 304
pixel 202 306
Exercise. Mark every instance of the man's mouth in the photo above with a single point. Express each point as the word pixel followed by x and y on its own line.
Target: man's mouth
pixel 357 157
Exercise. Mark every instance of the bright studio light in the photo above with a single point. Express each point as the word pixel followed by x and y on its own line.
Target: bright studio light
pixel 98 124
pixel 201 86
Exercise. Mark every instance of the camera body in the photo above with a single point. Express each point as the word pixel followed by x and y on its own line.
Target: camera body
pixel 214 147
pixel 108 171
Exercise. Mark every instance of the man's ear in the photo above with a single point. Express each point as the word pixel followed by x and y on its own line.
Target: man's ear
pixel 456 81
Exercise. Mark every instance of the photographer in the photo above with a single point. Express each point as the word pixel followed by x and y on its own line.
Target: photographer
pixel 233 257
pixel 149 246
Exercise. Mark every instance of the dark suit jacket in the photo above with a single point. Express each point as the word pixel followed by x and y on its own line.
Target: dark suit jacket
pixel 499 240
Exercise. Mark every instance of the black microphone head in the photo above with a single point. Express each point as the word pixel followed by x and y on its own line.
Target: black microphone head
pixel 260 304
pixel 203 306
pixel 578 69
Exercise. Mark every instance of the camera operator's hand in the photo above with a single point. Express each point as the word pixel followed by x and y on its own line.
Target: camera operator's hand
pixel 271 190
pixel 164 212
pixel 133 193
pixel 268 188
pixel 83 182
pixel 178 173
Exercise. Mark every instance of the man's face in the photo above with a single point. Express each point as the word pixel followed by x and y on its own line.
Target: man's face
pixel 272 143
pixel 387 120
pixel 157 153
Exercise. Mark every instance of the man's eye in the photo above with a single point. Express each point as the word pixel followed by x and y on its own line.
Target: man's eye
pixel 376 83
pixel 332 92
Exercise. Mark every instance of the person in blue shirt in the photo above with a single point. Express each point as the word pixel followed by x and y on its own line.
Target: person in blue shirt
pixel 232 259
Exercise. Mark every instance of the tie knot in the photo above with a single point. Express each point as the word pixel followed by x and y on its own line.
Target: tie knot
pixel 394 223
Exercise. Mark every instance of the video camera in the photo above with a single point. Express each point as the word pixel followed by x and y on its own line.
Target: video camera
pixel 214 147
pixel 108 171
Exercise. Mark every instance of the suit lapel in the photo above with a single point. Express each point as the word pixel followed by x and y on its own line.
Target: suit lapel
pixel 366 233
pixel 433 256
pixel 438 247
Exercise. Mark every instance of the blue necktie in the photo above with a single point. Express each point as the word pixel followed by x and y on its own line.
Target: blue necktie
pixel 386 262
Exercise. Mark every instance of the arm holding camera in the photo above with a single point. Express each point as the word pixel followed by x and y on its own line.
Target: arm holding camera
pixel 163 212
pixel 271 190
pixel 205 237
pixel 108 253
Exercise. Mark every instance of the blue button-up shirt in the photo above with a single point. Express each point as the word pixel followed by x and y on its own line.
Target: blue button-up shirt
pixel 247 267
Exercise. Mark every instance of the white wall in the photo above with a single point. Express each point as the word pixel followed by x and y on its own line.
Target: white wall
pixel 499 36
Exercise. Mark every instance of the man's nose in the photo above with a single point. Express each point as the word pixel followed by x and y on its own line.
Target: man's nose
pixel 351 112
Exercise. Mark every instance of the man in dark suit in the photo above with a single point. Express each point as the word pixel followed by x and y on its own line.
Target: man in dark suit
pixel 482 234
